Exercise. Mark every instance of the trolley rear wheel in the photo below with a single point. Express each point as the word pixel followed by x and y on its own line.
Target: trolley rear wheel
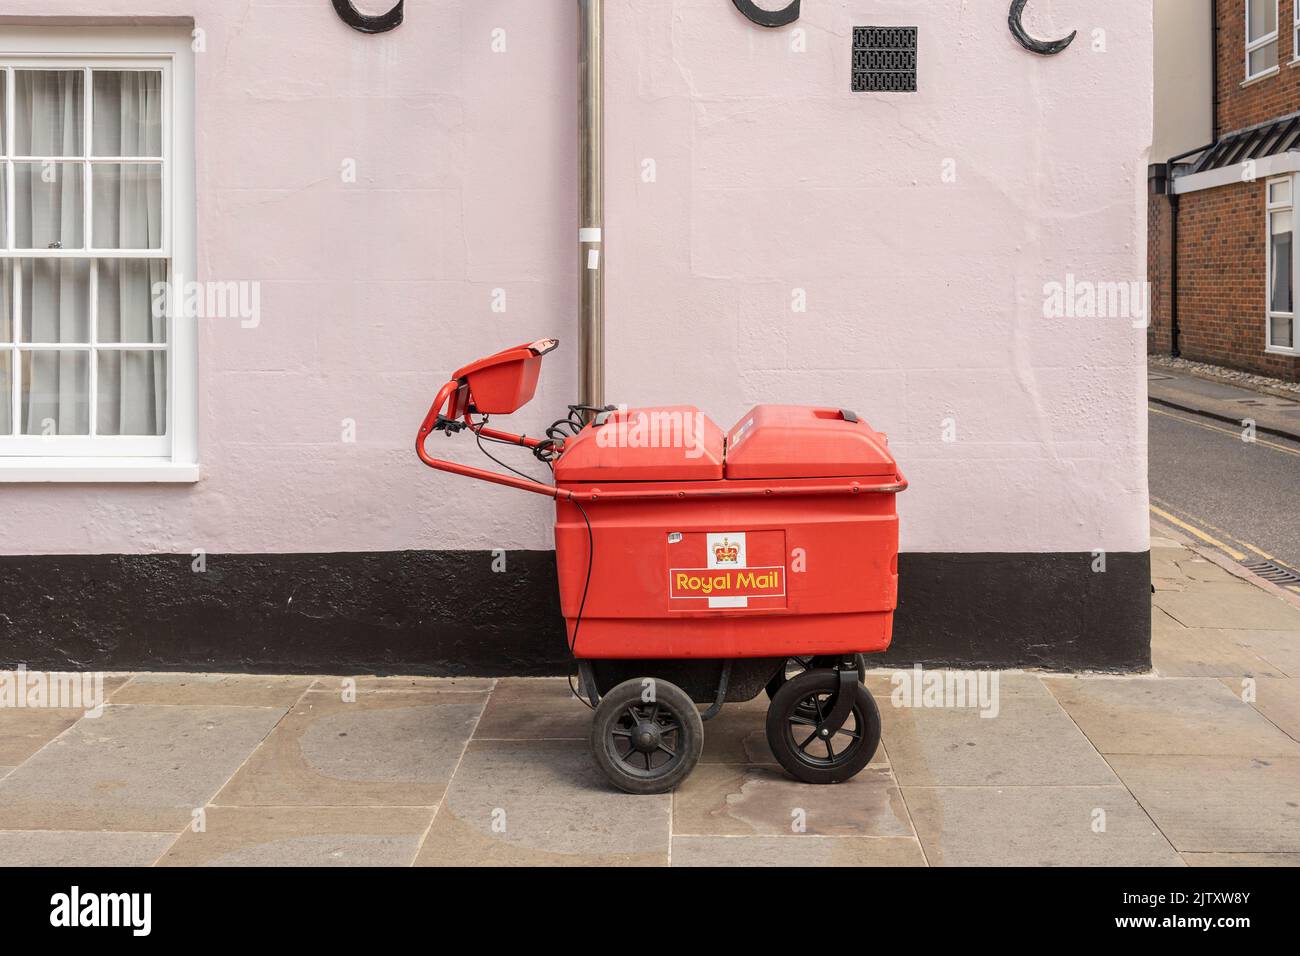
pixel 800 735
pixel 646 735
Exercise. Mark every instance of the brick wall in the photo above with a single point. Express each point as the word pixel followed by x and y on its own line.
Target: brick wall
pixel 1266 98
pixel 1222 282
pixel 1222 269
pixel 1158 272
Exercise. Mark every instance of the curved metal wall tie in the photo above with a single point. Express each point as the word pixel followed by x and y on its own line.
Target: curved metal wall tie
pixel 366 23
pixel 1033 45
pixel 768 18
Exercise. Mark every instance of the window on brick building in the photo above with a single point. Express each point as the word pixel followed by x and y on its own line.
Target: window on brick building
pixel 1295 37
pixel 1281 270
pixel 1261 37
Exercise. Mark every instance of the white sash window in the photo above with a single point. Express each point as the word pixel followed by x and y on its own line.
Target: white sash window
pixel 97 377
pixel 1261 37
pixel 1282 255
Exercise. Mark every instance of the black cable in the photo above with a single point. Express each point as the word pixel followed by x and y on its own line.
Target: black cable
pixel 591 558
pixel 479 438
pixel 548 448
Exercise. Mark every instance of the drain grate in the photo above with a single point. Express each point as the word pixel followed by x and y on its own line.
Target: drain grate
pixel 1271 572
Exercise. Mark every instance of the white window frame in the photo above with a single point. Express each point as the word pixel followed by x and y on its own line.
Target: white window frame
pixel 1295 32
pixel 81 458
pixel 1252 46
pixel 1270 208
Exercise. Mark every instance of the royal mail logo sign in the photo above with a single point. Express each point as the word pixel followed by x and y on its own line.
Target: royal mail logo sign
pixel 726 570
pixel 715 583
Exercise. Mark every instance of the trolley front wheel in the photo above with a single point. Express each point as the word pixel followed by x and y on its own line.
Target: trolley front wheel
pixel 798 665
pixel 646 735
pixel 814 738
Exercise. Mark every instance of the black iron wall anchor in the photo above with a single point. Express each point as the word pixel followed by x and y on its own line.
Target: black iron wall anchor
pixel 357 20
pixel 768 18
pixel 1032 44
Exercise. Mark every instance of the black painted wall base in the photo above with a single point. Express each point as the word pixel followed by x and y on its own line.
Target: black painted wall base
pixel 449 613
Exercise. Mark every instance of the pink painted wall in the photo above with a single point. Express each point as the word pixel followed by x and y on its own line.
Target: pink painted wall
pixel 924 296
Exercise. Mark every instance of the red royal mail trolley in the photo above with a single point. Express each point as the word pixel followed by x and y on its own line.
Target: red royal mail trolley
pixel 703 567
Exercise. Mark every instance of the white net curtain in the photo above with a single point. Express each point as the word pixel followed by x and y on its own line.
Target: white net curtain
pixel 87 353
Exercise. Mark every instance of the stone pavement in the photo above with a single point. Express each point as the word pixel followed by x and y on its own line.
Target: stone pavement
pixel 1168 768
pixel 1274 410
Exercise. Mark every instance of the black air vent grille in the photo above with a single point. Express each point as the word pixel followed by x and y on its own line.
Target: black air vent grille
pixel 884 59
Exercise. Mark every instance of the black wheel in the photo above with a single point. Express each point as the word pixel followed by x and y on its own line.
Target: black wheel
pixel 646 735
pixel 798 665
pixel 792 729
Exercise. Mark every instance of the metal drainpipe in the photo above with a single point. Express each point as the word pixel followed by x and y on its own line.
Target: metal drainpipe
pixel 1174 349
pixel 1214 70
pixel 591 201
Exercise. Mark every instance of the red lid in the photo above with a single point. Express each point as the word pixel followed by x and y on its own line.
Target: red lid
pixel 502 383
pixel 674 443
pixel 518 353
pixel 794 441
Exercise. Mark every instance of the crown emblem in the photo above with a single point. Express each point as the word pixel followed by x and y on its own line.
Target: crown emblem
pixel 726 552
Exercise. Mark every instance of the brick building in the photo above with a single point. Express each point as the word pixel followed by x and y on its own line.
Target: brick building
pixel 1220 256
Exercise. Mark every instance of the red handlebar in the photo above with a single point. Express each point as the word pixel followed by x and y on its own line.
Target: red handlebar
pixel 469 471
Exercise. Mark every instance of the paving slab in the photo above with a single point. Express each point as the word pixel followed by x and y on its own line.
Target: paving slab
pixel 1198 570
pixel 1192 716
pixel 25 730
pixel 803 850
pixel 534 708
pixel 1219 804
pixel 1031 742
pixel 1277 699
pixel 1162 623
pixel 1186 569
pixel 890 684
pixel 1035 826
pixel 1242 859
pixel 1179 651
pixel 543 802
pixel 230 690
pixel 303 836
pixel 112 682
pixel 1227 605
pixel 730 800
pixel 1280 648
pixel 137 767
pixel 738 735
pixel 366 683
pixel 390 748
pixel 81 848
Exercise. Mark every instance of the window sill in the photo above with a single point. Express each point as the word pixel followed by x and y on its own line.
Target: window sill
pixel 1278 350
pixel 1273 71
pixel 96 471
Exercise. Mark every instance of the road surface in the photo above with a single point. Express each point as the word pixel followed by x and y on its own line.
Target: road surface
pixel 1242 498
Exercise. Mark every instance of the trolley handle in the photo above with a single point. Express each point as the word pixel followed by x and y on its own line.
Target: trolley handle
pixel 435 421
